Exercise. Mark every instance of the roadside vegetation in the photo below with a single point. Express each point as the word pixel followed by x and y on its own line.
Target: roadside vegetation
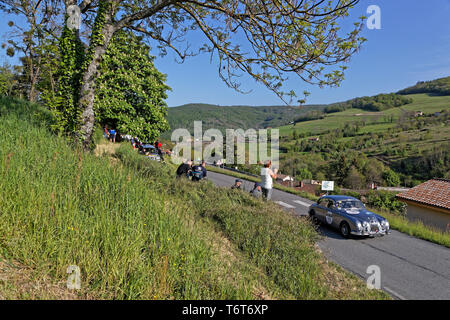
pixel 137 232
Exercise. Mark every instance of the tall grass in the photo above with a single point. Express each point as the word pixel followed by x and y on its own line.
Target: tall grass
pixel 137 232
pixel 61 207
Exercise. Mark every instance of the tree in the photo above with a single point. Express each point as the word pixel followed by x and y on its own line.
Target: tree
pixel 303 173
pixel 34 24
pixel 130 90
pixel 373 171
pixel 281 38
pixel 8 80
pixel 354 179
pixel 392 179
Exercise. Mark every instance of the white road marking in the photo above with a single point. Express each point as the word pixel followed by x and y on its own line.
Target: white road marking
pixel 394 293
pixel 281 203
pixel 302 203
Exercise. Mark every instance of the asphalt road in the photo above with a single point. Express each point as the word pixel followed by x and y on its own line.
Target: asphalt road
pixel 410 268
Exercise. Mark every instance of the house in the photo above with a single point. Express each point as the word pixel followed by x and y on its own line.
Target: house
pixel 429 202
pixel 284 178
pixel 310 181
pixel 314 139
pixel 418 114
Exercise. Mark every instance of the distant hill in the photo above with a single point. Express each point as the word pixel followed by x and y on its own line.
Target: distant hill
pixel 245 117
pixel 376 103
pixel 439 86
pixel 234 117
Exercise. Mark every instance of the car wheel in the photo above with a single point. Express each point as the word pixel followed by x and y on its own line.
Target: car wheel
pixel 313 218
pixel 345 230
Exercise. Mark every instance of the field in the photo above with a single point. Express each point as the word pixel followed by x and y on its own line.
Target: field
pixel 376 121
pixel 136 232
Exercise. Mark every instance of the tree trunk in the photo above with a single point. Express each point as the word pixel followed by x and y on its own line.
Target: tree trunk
pixel 87 91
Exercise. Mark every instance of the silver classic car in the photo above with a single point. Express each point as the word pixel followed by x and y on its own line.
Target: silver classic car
pixel 349 216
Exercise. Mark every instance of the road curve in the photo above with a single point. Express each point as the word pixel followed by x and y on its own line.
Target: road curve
pixel 411 268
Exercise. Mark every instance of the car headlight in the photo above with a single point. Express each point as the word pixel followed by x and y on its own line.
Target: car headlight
pixel 366 226
pixel 359 226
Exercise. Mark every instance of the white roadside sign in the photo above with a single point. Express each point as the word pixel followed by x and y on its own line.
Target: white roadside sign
pixel 327 185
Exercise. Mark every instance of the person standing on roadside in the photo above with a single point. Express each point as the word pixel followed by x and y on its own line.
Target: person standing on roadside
pixel 267 174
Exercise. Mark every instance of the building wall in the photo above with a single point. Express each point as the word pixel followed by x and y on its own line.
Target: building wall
pixel 429 216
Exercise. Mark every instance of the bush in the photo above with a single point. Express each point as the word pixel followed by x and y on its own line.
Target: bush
pixel 385 200
pixel 391 178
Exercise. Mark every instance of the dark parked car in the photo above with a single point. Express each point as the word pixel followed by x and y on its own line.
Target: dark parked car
pixel 150 151
pixel 349 216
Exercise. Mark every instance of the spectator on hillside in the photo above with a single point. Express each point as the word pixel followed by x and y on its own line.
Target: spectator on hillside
pixel 257 191
pixel 267 174
pixel 205 172
pixel 197 173
pixel 237 184
pixel 160 153
pixel 112 135
pixel 106 132
pixel 184 169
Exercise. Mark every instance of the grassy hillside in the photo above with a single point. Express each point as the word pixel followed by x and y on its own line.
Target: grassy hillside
pixel 234 117
pixel 137 232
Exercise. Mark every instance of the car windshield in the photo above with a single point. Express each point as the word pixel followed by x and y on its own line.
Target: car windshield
pixel 351 204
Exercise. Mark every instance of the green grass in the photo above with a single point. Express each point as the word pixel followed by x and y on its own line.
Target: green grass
pixel 402 224
pixel 416 229
pixel 137 232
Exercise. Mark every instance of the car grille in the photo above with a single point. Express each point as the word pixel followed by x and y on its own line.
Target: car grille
pixel 374 227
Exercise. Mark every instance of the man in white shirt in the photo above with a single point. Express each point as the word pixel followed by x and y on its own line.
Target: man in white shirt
pixel 267 174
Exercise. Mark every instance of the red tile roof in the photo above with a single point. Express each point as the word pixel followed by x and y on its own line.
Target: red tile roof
pixel 435 192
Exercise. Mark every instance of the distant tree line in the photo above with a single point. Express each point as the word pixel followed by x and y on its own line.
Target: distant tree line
pixel 439 87
pixel 376 103
pixel 311 115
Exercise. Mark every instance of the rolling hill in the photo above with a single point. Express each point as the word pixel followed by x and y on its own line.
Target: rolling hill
pixel 256 117
pixel 234 117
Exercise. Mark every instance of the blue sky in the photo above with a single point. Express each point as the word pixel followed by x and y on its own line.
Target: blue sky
pixel 413 44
